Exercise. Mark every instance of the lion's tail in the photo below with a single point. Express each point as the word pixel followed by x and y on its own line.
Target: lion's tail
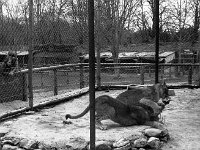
pixel 68 116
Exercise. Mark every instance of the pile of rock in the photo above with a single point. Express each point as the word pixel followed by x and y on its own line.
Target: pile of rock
pixel 13 143
pixel 150 138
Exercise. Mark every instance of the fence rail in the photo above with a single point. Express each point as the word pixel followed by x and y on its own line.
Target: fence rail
pixel 56 80
pixel 141 67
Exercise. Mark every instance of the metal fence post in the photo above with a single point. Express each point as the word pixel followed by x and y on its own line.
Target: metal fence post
pixel 98 46
pixel 91 73
pixel 55 82
pixel 157 29
pixel 30 58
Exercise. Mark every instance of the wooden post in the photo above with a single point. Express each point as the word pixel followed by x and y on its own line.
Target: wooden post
pixel 190 71
pixel 170 71
pixel 162 72
pixel 81 73
pixel 149 71
pixel 55 82
pixel 41 77
pixel 142 75
pixel 199 74
pixel 24 76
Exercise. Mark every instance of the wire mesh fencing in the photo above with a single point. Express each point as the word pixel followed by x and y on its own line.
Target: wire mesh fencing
pixel 179 74
pixel 60 37
pixel 13 93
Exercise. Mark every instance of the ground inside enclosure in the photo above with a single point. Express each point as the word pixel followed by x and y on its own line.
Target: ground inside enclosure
pixel 181 116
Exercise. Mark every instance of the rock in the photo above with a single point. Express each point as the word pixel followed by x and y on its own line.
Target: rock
pixel 43 146
pixel 21 148
pixel 103 145
pixel 28 144
pixel 9 147
pixel 135 136
pixel 125 147
pixel 23 142
pixel 3 131
pixel 164 133
pixel 7 123
pixel 152 132
pixel 121 142
pixel 16 141
pixel 165 138
pixel 77 143
pixel 141 142
pixel 171 92
pixel 9 142
pixel 141 149
pixel 30 112
pixel 154 143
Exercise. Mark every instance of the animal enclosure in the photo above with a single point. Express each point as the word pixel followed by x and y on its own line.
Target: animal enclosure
pixel 46 127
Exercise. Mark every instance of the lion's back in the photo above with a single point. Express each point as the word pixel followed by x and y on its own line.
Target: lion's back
pixel 132 97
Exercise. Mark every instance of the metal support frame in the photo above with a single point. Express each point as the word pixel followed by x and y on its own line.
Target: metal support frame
pixel 157 41
pixel 91 72
pixel 30 56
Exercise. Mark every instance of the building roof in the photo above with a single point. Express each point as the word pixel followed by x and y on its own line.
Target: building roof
pixel 132 54
pixel 19 53
pixel 146 54
pixel 127 54
pixel 165 54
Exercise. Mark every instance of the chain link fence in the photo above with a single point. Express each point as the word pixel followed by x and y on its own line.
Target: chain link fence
pixel 60 51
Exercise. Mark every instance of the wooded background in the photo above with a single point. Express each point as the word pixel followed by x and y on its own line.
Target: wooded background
pixel 120 22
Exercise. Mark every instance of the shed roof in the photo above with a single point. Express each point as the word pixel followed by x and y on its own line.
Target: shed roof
pixel 19 53
pixel 165 54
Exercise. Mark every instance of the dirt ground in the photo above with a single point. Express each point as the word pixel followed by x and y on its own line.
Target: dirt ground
pixel 181 116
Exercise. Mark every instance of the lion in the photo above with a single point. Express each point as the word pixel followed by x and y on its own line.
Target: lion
pixel 137 106
pixel 152 98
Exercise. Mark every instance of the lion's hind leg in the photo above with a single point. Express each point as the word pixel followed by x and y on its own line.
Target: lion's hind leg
pixel 103 112
pixel 126 120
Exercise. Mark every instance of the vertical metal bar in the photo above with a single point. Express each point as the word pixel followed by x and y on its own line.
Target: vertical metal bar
pixel 30 58
pixel 91 72
pixel 55 82
pixel 157 41
pixel 98 45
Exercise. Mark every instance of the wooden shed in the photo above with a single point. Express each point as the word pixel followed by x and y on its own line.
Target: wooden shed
pixel 51 54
